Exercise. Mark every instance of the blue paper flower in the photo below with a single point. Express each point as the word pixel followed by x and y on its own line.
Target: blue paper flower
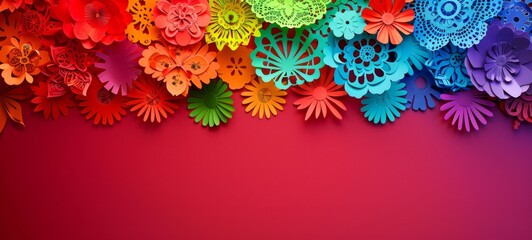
pixel 322 26
pixel 462 22
pixel 447 66
pixel 517 13
pixel 421 90
pixel 412 54
pixel 380 108
pixel 347 24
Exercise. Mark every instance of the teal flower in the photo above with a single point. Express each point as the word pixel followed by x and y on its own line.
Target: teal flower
pixel 347 24
pixel 212 104
pixel 380 108
pixel 322 26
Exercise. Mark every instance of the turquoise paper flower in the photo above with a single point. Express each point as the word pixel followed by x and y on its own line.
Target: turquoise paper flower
pixel 412 54
pixel 322 26
pixel 347 24
pixel 381 108
pixel 447 66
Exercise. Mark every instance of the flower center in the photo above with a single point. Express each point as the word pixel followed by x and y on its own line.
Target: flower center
pixel 501 61
pixel 456 59
pixel 319 93
pixel 104 96
pixel 231 16
pixel 465 100
pixel 448 9
pixel 211 102
pixel 264 95
pixel 367 53
pixel 388 18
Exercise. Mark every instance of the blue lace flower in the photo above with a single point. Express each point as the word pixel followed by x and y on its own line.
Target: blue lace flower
pixel 447 66
pixel 462 22
pixel 381 108
pixel 517 13
pixel 322 26
pixel 347 24
pixel 421 90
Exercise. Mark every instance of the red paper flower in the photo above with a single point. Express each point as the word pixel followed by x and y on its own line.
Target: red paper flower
pixel 94 21
pixel 388 20
pixel 12 5
pixel 53 106
pixel 182 22
pixel 150 98
pixel 10 107
pixel 102 105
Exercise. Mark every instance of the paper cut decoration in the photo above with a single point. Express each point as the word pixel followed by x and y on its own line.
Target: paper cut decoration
pixel 346 24
pixel 388 19
pixel 182 22
pixel 520 108
pixel 151 99
pixel 411 54
pixel 212 105
pixel 101 105
pixel 9 104
pixel 20 61
pixel 142 29
pixel 467 108
pixel 381 108
pixel 263 98
pixel 51 106
pixel 10 27
pixel 448 68
pixel 235 67
pixel 421 91
pixel 13 5
pixel 289 13
pixel 323 25
pixel 518 13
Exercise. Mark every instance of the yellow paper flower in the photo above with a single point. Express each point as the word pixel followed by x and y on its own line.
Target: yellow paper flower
pixel 142 29
pixel 263 98
pixel 232 24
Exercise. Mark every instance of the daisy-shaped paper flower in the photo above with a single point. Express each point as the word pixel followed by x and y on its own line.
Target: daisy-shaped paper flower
pixel 13 5
pixel 288 57
pixel 182 22
pixel 381 108
pixel 9 103
pixel 421 90
pixel 289 13
pixel 520 108
pixel 263 98
pixel 461 22
pixel 51 106
pixel 323 25
pixel 142 29
pixel 20 61
pixel 150 98
pixel 347 24
pixel 518 13
pixel 119 66
pixel 448 68
pixel 321 96
pixel 467 108
pixel 211 105
pixel 232 24
pixel 235 67
pixel 102 105
pixel 388 19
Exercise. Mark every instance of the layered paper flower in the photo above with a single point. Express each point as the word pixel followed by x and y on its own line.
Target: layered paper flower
pixel 520 108
pixel 235 67
pixel 448 68
pixel 288 57
pixel 518 13
pixel 381 108
pixel 150 99
pixel 10 107
pixel 232 24
pixel 388 19
pixel 263 98
pixel 321 96
pixel 501 64
pixel 20 61
pixel 289 13
pixel 323 25
pixel 101 105
pixel 182 22
pixel 346 24
pixel 461 22
pixel 51 106
pixel 142 29
pixel 211 105
pixel 421 91
pixel 467 108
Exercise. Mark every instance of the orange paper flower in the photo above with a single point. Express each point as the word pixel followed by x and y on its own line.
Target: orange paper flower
pixel 150 98
pixel 102 105
pixel 51 106
pixel 12 5
pixel 21 61
pixel 388 19
pixel 235 67
pixel 9 105
pixel 263 98
pixel 320 96
pixel 142 29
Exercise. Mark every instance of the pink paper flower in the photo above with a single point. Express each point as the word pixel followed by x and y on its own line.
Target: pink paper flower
pixel 467 108
pixel 182 22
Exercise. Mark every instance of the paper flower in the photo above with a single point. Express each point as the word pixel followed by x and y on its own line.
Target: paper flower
pixel 101 105
pixel 322 25
pixel 421 91
pixel 9 103
pixel 179 67
pixel 289 13
pixel 448 68
pixel 501 64
pixel 232 24
pixel 467 108
pixel 212 104
pixel 182 22
pixel 346 24
pixel 142 29
pixel 518 13
pixel 381 108
pixel 321 96
pixel 235 67
pixel 461 22
pixel 51 106
pixel 150 98
pixel 389 20
pixel 20 61
pixel 13 5
pixel 37 22
pixel 94 21
pixel 288 57
pixel 412 55
pixel 10 27
pixel 119 66
pixel 520 108
pixel 263 98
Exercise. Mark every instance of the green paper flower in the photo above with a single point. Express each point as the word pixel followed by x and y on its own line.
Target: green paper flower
pixel 212 104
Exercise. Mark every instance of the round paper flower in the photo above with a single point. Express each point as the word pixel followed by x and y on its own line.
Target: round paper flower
pixel 289 13
pixel 518 13
pixel 520 108
pixel 381 108
pixel 10 107
pixel 467 108
pixel 388 19
pixel 263 98
pixel 51 106
pixel 288 57
pixel 235 67
pixel 182 22
pixel 150 98
pixel 94 21
pixel 102 105
pixel 447 66
pixel 142 29
pixel 347 24
pixel 322 25
pixel 462 22
pixel 212 104
pixel 501 64
pixel 421 91
pixel 321 96
pixel 232 24
pixel 20 61
pixel 119 66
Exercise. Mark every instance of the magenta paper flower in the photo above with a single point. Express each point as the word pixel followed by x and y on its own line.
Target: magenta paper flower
pixel 182 22
pixel 520 108
pixel 119 66
pixel 467 108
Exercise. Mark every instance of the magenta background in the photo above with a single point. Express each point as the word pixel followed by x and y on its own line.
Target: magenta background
pixel 278 179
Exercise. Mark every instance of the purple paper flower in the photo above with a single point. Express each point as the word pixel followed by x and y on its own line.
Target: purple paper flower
pixel 467 108
pixel 501 64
